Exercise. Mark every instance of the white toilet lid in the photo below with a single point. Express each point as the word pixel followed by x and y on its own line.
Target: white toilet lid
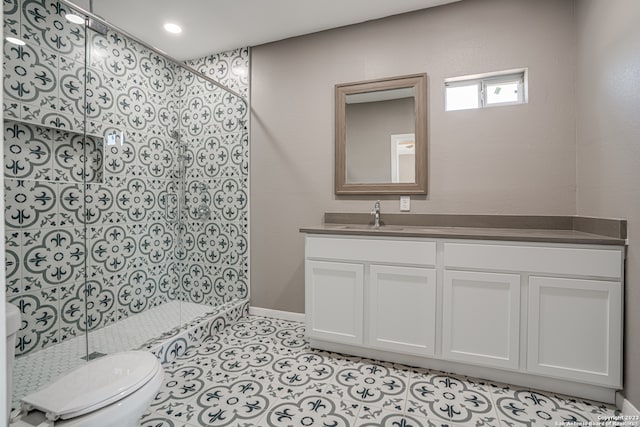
pixel 95 385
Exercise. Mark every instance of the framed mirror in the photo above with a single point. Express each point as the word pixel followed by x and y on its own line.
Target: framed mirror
pixel 381 136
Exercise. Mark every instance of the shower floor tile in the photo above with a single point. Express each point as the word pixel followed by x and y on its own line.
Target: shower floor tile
pixel 261 372
pixel 34 370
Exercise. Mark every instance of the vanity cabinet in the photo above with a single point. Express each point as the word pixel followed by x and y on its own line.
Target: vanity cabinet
pixel 402 309
pixel 378 293
pixel 481 318
pixel 544 315
pixel 573 307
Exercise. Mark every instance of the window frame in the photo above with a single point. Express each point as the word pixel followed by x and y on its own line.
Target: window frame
pixel 482 80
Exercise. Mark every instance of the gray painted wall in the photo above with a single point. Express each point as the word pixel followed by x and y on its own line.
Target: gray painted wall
pixel 503 160
pixel 608 135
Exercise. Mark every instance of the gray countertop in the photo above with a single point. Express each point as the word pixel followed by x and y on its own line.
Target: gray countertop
pixel 481 233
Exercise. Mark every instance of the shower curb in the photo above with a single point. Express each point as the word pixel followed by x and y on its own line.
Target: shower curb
pixel 175 343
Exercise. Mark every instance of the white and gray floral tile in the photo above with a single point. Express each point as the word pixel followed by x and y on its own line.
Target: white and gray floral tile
pixel 30 204
pixel 154 420
pixel 229 68
pixel 370 416
pixel 372 383
pixel 450 398
pixel 30 153
pixel 261 372
pixel 59 181
pixel 540 408
pixel 314 409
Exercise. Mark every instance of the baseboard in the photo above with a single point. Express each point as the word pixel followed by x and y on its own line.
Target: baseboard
pixel 530 381
pixel 277 314
pixel 629 409
pixel 625 406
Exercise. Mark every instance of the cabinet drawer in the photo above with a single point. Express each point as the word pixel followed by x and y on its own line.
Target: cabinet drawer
pixel 536 259
pixel 372 250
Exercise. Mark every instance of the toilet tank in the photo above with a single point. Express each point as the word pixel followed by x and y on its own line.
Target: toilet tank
pixel 13 324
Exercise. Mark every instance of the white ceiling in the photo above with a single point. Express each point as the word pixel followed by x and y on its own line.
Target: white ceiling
pixel 215 26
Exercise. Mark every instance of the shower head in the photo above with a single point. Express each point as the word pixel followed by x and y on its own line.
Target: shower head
pixel 98 27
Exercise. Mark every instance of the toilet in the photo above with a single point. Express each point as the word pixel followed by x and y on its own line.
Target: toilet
pixel 113 390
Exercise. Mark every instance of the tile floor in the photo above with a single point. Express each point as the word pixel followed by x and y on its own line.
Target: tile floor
pixel 261 372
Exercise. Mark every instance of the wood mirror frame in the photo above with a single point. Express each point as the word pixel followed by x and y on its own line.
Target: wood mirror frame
pixel 419 83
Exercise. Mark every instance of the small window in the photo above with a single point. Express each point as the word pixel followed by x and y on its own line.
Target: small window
pixel 486 90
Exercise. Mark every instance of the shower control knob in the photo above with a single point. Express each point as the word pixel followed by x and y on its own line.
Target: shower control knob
pixel 203 211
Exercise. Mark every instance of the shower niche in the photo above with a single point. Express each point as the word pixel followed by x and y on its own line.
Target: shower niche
pixel 41 153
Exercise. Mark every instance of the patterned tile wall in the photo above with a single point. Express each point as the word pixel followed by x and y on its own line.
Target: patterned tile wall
pixel 116 218
pixel 217 175
pixel 229 68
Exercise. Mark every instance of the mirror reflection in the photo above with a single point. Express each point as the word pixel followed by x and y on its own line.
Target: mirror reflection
pixel 380 135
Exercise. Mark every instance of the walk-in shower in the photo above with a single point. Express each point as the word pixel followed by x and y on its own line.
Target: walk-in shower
pixel 125 193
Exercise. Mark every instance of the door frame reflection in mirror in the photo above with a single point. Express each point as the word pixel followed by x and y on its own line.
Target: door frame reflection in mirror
pixel 417 82
pixel 403 144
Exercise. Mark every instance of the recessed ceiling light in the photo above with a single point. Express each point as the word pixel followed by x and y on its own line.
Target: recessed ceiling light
pixel 76 19
pixel 172 28
pixel 15 41
pixel 241 71
pixel 98 52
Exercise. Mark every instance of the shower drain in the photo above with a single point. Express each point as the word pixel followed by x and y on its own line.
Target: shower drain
pixel 93 355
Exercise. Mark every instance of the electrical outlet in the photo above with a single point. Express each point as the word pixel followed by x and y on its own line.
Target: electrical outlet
pixel 405 203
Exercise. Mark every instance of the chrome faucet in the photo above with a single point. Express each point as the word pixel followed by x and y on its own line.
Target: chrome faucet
pixel 376 214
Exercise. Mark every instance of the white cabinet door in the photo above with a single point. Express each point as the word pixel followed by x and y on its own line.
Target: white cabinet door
pixel 334 301
pixel 481 318
pixel 402 309
pixel 575 329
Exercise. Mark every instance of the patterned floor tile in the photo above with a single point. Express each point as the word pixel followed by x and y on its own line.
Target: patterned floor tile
pixel 227 404
pixel 599 411
pixel 282 337
pixel 285 391
pixel 151 419
pixel 517 406
pixel 277 347
pixel 370 416
pixel 292 336
pixel 257 327
pixel 373 383
pixel 313 410
pixel 450 398
pixel 303 369
pixel 261 373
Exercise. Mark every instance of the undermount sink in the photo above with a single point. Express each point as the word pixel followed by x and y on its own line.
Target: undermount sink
pixel 370 227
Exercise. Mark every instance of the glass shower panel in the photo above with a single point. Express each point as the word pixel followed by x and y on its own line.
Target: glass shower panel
pixel 213 124
pixel 45 155
pixel 133 234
